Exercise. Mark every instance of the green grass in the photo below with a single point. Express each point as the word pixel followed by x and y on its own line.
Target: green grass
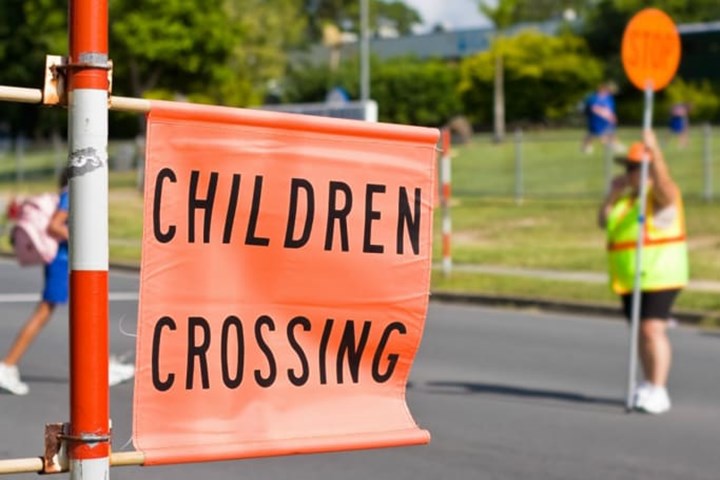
pixel 559 234
pixel 125 224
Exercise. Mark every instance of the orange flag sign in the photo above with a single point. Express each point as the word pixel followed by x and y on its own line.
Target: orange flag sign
pixel 284 283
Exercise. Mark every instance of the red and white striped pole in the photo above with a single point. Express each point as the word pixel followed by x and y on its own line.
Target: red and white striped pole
pixel 88 440
pixel 445 203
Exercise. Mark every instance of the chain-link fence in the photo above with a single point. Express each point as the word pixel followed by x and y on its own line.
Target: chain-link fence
pixel 551 164
pixel 24 162
pixel 528 164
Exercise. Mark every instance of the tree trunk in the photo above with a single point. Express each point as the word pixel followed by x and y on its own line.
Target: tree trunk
pixel 499 101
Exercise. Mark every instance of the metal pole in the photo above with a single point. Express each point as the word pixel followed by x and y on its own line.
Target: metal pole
pixel 637 294
pixel 19 158
pixel 519 190
pixel 22 95
pixel 608 155
pixel 21 465
pixel 88 441
pixel 129 104
pixel 37 465
pixel 35 95
pixel 364 51
pixel 445 178
pixel 126 459
pixel 707 163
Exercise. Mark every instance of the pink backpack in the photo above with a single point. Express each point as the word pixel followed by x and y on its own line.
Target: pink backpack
pixel 31 242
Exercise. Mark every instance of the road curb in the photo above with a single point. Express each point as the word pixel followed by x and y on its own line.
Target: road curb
pixel 561 306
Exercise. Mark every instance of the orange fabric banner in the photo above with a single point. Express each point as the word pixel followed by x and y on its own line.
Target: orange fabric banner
pixel 284 283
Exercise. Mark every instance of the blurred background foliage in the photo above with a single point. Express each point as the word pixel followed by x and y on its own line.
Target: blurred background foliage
pixel 238 53
pixel 545 78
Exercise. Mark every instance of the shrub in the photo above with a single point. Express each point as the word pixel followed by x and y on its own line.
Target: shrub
pixel 407 90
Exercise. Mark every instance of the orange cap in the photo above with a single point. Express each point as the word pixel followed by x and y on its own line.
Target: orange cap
pixel 635 154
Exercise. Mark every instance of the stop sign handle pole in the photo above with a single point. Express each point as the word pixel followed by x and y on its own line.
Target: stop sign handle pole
pixel 637 294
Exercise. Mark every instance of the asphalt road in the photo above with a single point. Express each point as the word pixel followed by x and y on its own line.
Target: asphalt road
pixel 506 395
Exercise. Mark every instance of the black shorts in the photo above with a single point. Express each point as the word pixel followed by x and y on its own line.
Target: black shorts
pixel 655 304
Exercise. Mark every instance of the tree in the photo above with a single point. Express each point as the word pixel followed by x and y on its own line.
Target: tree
pixel 541 10
pixel 505 13
pixel 408 90
pixel 682 11
pixel 213 51
pixel 399 15
pixel 545 77
pixel 29 30
pixel 267 30
pixel 416 92
pixel 190 47
pixel 605 24
pixel 502 14
pixel 703 101
pixel 345 14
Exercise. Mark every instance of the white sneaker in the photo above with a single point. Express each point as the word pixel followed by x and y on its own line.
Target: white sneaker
pixel 10 380
pixel 656 401
pixel 618 148
pixel 119 372
pixel 642 391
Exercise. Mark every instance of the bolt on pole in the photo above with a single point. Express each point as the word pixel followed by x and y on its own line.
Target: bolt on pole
pixel 707 163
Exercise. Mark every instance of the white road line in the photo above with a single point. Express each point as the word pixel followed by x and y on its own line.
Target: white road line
pixel 34 297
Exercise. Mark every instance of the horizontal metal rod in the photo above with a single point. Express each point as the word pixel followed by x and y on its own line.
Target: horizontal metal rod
pixel 129 104
pixel 21 465
pixel 23 95
pixel 35 95
pixel 35 464
pixel 126 459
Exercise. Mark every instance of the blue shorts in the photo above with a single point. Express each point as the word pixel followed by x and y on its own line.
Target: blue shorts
pixel 600 128
pixel 56 281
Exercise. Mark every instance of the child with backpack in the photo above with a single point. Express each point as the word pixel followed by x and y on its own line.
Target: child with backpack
pixel 31 247
pixel 55 289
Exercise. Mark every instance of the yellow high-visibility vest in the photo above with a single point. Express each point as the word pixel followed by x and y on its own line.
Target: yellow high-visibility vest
pixel 664 256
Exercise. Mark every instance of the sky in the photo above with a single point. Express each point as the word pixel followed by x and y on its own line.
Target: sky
pixel 456 14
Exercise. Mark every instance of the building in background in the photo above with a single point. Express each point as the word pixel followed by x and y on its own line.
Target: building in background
pixel 450 45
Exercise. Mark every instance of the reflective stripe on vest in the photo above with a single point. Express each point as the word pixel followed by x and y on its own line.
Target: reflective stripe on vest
pixel 664 260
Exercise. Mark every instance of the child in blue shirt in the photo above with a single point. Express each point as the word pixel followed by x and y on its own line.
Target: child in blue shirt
pixel 601 117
